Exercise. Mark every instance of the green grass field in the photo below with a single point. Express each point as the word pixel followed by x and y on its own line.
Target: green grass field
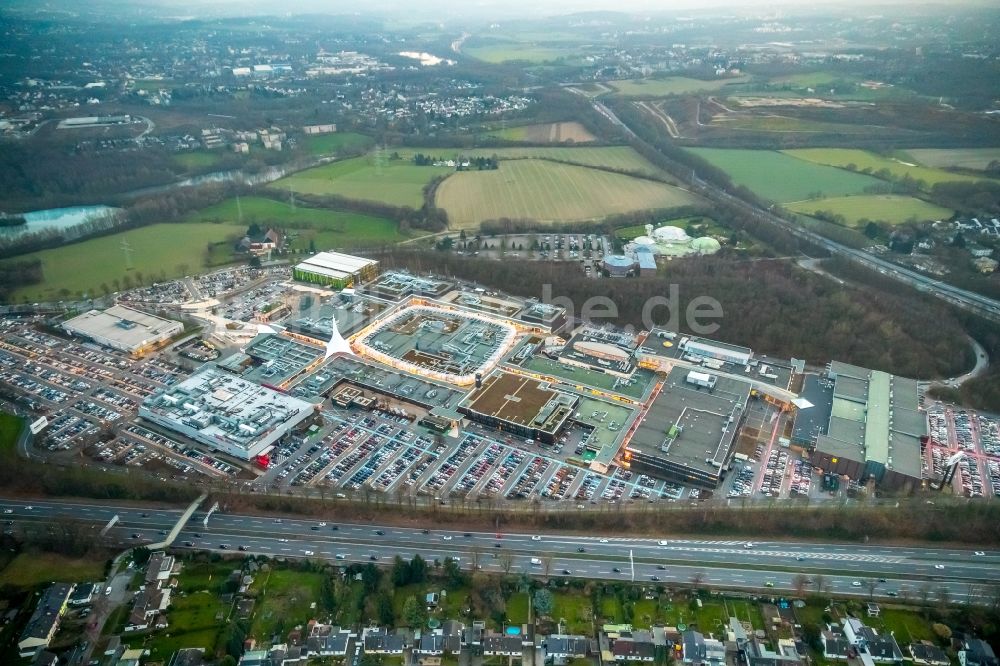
pixel 396 182
pixel 810 79
pixel 327 229
pixel 288 596
pixel 890 208
pixel 194 622
pixel 623 158
pixel 160 251
pixel 546 133
pixel 549 191
pixel 10 427
pixel 964 158
pixel 330 144
pixel 31 569
pixel 862 159
pixel 781 177
pixel 673 85
pixel 197 160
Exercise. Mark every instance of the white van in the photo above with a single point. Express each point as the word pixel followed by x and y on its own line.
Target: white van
pixel 536 562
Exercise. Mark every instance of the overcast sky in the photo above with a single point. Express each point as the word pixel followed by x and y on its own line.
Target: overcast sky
pixel 449 8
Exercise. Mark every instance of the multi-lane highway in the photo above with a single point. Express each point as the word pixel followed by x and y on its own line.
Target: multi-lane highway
pixel 847 569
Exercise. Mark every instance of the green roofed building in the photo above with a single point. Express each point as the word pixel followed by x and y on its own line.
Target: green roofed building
pixel 337 270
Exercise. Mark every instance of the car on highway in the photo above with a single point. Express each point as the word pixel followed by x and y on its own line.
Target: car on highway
pixel 769 584
pixel 282 540
pixel 340 556
pixel 308 552
pixel 893 593
pixel 197 535
pixel 189 544
pixel 243 549
pixel 856 583
pixel 536 538
pixel 373 558
pixel 978 553
pixel 566 572
pixel 604 541
pixel 446 537
pixel 224 546
pixel 655 579
pixel 939 566
pixel 748 545
pixel 617 570
pixel 581 549
pixel 136 535
pixel 322 524
pixel 663 542
pixel 8 510
pixel 380 532
pixel 315 528
pixel 660 567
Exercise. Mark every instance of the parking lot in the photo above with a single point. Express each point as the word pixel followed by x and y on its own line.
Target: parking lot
pixel 954 429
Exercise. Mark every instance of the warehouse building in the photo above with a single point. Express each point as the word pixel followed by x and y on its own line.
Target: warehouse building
pixel 875 428
pixel 124 329
pixel 225 412
pixel 334 269
pixel 520 405
pixel 687 434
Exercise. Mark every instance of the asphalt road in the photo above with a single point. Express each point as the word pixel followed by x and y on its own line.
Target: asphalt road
pixel 729 564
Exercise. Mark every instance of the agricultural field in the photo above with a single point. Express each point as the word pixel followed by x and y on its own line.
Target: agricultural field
pixel 325 228
pixel 394 182
pixel 891 208
pixel 533 48
pixel 962 158
pixel 780 177
pixel 623 158
pixel 546 133
pixel 549 191
pixel 864 160
pixel 161 251
pixel 785 124
pixel 673 85
pixel 329 144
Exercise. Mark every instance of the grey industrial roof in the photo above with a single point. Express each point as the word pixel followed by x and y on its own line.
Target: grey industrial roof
pixel 704 415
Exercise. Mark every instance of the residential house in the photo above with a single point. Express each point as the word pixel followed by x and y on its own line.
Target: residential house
pixel 379 640
pixel 502 645
pixel 445 640
pixel 701 651
pixel 147 611
pixel 926 653
pixel 836 645
pixel 622 645
pixel 881 648
pixel 188 657
pixel 560 648
pixel 44 620
pixel 159 568
pixel 328 641
pixel 977 652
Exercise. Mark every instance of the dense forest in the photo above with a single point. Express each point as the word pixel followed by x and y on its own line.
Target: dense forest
pixel 770 305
